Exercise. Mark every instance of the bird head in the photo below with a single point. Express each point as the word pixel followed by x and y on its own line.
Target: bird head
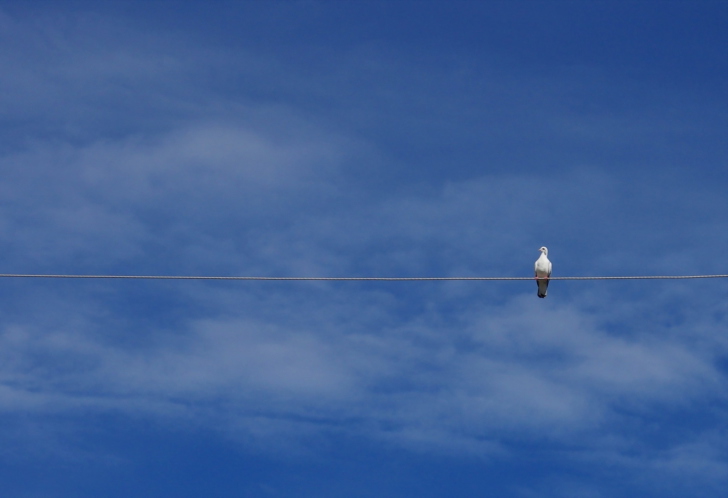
pixel 544 251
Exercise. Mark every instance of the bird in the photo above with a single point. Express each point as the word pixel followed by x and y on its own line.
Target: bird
pixel 543 272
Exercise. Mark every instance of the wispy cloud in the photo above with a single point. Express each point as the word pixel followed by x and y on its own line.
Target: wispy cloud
pixel 137 161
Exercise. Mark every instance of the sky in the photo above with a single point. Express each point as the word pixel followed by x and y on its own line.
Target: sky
pixel 363 139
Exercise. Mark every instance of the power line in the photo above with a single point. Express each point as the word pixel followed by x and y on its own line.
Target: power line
pixel 340 279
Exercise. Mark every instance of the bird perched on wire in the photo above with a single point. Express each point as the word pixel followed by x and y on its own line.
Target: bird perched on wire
pixel 543 272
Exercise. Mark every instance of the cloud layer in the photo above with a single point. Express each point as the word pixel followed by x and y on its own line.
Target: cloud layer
pixel 139 158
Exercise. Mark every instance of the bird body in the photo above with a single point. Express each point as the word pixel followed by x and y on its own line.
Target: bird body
pixel 543 272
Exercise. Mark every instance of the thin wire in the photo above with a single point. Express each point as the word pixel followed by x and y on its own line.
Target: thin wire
pixel 339 279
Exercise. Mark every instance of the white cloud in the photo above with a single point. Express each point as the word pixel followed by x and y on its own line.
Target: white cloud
pixel 510 372
pixel 224 187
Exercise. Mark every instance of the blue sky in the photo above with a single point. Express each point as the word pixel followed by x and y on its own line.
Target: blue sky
pixel 363 139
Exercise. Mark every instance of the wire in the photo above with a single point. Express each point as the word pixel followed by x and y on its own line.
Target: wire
pixel 339 279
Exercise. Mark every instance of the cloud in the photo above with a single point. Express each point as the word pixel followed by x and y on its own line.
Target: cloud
pixel 211 183
pixel 435 363
pixel 112 201
pixel 491 376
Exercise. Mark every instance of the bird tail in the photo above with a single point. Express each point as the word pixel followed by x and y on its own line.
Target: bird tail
pixel 542 288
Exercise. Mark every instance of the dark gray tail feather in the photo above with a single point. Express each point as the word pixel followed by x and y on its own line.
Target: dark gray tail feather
pixel 545 288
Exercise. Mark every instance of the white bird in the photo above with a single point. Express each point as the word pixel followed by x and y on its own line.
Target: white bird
pixel 543 272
